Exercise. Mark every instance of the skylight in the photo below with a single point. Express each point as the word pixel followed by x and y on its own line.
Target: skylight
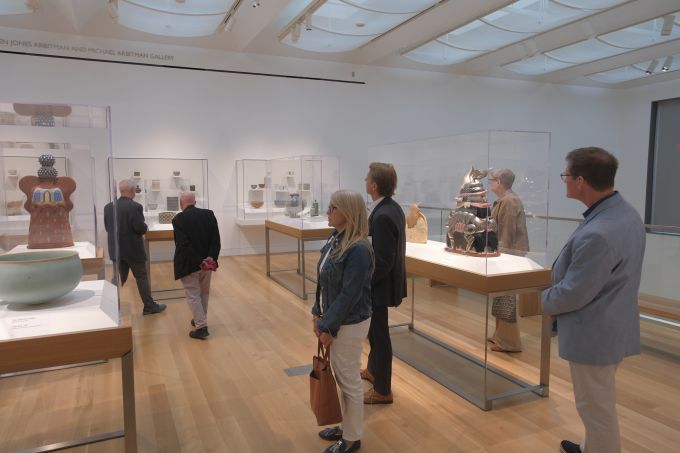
pixel 514 23
pixel 342 25
pixel 172 18
pixel 639 70
pixel 603 46
pixel 8 7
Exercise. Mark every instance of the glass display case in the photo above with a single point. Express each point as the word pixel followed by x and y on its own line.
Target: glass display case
pixel 50 206
pixel 53 312
pixel 293 190
pixel 484 198
pixel 159 183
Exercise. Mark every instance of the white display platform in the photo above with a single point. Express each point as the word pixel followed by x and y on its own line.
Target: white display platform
pixel 91 305
pixel 160 227
pixel 309 223
pixel 86 250
pixel 434 252
pixel 19 218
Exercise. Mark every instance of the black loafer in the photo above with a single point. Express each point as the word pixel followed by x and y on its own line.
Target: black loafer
pixel 569 447
pixel 342 447
pixel 333 434
pixel 152 310
pixel 200 334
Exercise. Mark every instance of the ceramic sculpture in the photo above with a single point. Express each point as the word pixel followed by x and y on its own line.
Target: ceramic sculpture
pixel 37 277
pixel 48 201
pixel 294 205
pixel 256 197
pixel 471 230
pixel 416 226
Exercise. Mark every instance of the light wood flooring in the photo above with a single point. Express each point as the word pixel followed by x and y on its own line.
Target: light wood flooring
pixel 230 393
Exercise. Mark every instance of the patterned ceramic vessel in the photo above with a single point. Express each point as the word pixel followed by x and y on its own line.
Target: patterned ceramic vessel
pixel 37 277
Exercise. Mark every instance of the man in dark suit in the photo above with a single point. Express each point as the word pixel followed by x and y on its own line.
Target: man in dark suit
pixel 197 247
pixel 387 230
pixel 127 222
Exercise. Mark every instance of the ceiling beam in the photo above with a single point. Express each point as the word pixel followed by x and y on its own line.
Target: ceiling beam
pixel 441 19
pixel 250 22
pixel 627 14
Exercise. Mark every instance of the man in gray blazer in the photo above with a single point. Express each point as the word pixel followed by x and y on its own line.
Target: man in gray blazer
pixel 125 221
pixel 594 295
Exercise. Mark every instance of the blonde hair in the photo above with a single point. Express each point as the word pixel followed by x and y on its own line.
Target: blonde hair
pixel 352 205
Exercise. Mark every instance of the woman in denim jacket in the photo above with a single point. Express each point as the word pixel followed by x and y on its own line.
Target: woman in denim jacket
pixel 342 310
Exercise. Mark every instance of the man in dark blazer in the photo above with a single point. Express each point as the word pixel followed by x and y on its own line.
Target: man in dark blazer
pixel 127 222
pixel 387 230
pixel 197 247
pixel 594 295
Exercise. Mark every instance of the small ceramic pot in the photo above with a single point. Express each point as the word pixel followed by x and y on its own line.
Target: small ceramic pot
pixel 37 277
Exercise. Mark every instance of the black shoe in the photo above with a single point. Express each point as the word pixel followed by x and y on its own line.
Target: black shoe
pixel 200 334
pixel 193 324
pixel 152 310
pixel 334 433
pixel 341 447
pixel 569 447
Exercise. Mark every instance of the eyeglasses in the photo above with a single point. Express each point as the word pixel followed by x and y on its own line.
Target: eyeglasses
pixel 564 176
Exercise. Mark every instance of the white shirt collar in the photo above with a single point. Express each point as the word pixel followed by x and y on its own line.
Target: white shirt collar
pixel 373 204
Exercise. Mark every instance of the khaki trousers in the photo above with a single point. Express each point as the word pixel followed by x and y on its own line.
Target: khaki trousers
pixel 346 361
pixel 197 290
pixel 595 397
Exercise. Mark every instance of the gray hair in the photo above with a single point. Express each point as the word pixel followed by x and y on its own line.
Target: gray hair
pixel 505 176
pixel 126 185
pixel 188 198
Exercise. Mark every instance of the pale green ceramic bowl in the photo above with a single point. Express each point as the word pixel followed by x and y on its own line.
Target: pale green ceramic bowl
pixel 37 277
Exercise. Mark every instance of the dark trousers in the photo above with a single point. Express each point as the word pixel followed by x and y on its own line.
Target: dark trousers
pixel 139 271
pixel 380 357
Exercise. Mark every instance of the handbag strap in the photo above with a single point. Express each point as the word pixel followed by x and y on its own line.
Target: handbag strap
pixel 323 352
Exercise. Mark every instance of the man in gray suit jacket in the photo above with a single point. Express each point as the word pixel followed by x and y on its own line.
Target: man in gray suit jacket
pixel 594 295
pixel 125 221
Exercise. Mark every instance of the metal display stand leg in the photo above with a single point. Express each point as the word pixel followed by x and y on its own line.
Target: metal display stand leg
pixel 301 267
pixel 129 419
pixel 418 345
pixel 148 273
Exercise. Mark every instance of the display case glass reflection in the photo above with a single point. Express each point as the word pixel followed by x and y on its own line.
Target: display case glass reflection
pixel 294 190
pixel 471 191
pixel 159 183
pixel 54 170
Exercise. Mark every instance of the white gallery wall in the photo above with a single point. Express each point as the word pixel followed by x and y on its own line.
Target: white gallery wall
pixel 159 112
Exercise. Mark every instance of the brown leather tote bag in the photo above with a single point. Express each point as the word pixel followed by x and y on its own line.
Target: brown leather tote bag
pixel 323 392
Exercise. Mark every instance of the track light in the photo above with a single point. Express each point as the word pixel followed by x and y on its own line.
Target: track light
pixel 308 22
pixel 295 34
pixel 530 48
pixel 112 7
pixel 651 67
pixel 228 24
pixel 667 27
pixel 255 3
pixel 667 64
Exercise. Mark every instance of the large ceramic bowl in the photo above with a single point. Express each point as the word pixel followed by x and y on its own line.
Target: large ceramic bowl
pixel 37 277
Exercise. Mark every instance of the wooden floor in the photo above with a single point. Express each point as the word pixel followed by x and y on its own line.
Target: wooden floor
pixel 230 393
